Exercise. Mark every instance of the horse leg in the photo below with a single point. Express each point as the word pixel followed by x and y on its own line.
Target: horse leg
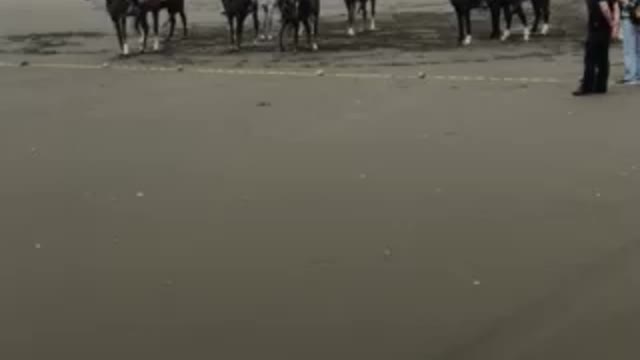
pixel 232 31
pixel 268 22
pixel 172 24
pixel 116 25
pixel 526 33
pixel 314 43
pixel 460 23
pixel 351 5
pixel 123 31
pixel 256 23
pixel 145 33
pixel 507 19
pixel 296 34
pixel 546 14
pixel 537 12
pixel 156 30
pixel 372 25
pixel 240 29
pixel 363 8
pixel 183 19
pixel 307 30
pixel 467 20
pixel 494 7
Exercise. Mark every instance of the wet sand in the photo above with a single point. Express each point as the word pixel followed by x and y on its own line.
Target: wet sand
pixel 183 215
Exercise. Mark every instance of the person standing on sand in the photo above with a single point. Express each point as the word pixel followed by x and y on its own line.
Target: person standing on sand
pixel 602 27
pixel 630 43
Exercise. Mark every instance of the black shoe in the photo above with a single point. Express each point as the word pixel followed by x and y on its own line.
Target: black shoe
pixel 581 92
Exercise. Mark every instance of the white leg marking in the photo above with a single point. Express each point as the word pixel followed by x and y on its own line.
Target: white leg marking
pixel 505 35
pixel 545 29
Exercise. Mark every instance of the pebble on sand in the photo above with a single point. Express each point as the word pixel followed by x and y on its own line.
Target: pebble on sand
pixel 422 75
pixel 320 72
pixel 476 282
pixel 24 63
pixel 180 68
pixel 37 246
pixel 139 194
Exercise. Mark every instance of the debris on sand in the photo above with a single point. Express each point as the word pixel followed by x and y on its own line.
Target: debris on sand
pixel 139 194
pixel 263 104
pixel 476 283
pixel 24 63
pixel 180 68
pixel 320 72
pixel 363 176
pixel 37 246
pixel 422 75
pixel 387 253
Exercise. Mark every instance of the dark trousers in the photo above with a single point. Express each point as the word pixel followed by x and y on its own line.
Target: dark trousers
pixel 596 62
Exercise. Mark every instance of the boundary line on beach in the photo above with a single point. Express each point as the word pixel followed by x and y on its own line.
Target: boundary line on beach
pixel 425 76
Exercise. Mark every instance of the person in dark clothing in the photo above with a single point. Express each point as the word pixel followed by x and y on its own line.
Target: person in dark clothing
pixel 602 27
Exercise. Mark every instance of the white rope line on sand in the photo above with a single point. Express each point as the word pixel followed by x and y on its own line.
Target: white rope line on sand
pixel 288 73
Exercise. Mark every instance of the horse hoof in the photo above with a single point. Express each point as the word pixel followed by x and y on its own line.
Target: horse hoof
pixel 314 47
pixel 351 32
pixel 467 40
pixel 526 34
pixel 156 45
pixel 545 29
pixel 372 26
pixel 505 35
pixel 125 50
